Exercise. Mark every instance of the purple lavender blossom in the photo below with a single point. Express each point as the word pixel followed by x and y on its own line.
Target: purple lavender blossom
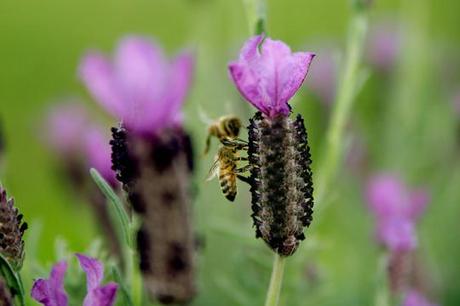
pixel 51 292
pixel 73 135
pixel 98 153
pixel 66 125
pixel 268 74
pixel 396 208
pixel 414 298
pixel 384 46
pixel 141 87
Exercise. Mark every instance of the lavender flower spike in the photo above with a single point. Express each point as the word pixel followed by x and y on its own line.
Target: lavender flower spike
pixel 97 295
pixel 396 209
pixel 141 87
pixel 414 298
pixel 268 74
pixel 51 292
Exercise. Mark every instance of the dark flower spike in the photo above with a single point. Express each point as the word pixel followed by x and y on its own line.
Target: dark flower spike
pixel 11 231
pixel 152 156
pixel 268 75
pixel 5 295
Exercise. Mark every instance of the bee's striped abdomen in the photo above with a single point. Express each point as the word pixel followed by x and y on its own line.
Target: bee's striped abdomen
pixel 227 179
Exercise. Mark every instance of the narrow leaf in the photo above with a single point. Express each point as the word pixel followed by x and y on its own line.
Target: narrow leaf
pixel 12 279
pixel 117 206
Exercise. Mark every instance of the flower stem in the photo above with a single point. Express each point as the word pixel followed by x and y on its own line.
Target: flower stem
pixel 256 15
pixel 349 83
pixel 276 281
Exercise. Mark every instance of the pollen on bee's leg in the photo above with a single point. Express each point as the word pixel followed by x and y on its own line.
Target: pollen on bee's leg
pixel 281 181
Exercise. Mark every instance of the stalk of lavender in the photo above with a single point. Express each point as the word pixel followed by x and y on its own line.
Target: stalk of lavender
pixel 256 12
pixel 152 155
pixel 347 90
pixel 397 210
pixel 80 144
pixel 267 75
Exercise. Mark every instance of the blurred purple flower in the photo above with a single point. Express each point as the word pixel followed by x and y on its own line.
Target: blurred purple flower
pixel 414 298
pixel 97 295
pixel 396 209
pixel 66 127
pixel 323 76
pixel 141 86
pixel 268 74
pixel 98 153
pixel 72 135
pixel 384 46
pixel 51 292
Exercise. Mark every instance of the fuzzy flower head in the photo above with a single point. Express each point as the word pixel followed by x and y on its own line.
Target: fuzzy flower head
pixel 139 86
pixel 51 292
pixel 268 74
pixel 73 135
pixel 414 298
pixel 396 209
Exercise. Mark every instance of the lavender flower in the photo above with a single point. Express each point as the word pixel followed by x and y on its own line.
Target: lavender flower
pixel 268 74
pixel 152 156
pixel 414 298
pixel 396 209
pixel 384 46
pixel 5 294
pixel 51 292
pixel 12 230
pixel 141 87
pixel 79 142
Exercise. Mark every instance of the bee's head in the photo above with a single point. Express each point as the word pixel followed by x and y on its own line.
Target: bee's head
pixel 233 125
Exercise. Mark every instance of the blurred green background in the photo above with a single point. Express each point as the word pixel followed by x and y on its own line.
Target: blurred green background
pixel 405 118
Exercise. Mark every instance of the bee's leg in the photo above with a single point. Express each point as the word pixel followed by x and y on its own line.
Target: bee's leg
pixel 208 144
pixel 244 179
pixel 241 140
pixel 243 169
pixel 235 143
pixel 241 158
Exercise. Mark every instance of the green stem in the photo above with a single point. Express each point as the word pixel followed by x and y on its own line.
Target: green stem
pixel 276 281
pixel 256 15
pixel 346 94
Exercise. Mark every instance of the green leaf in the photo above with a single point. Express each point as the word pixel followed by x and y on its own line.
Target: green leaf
pixel 122 286
pixel 117 207
pixel 13 280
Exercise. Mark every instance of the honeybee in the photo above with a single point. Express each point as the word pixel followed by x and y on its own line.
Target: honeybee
pixel 226 129
pixel 226 167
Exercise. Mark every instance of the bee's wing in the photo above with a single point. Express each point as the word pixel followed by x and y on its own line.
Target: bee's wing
pixel 204 117
pixel 214 171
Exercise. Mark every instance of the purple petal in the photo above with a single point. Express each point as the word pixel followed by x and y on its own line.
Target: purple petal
pixel 414 298
pixel 101 296
pixel 397 234
pixel 98 75
pixel 98 152
pixel 94 271
pixel 384 46
pixel 66 125
pixel 269 78
pixel 181 76
pixel 419 199
pixel 51 292
pixel 141 69
pixel 386 195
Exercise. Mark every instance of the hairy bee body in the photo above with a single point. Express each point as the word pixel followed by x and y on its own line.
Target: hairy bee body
pixel 226 168
pixel 226 128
